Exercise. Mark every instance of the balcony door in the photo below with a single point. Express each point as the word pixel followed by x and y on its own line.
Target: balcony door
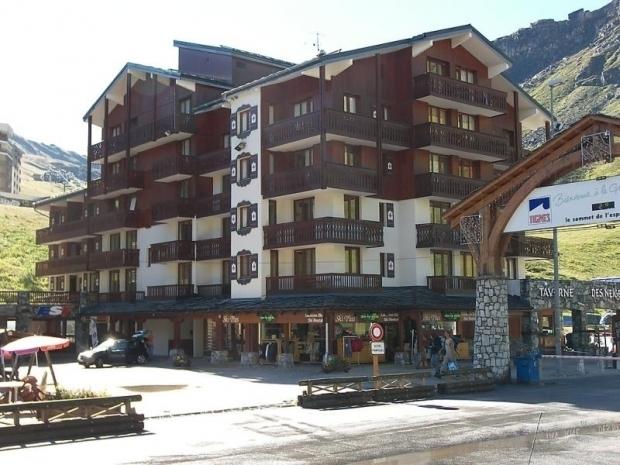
pixel 185 230
pixel 305 262
pixel 304 209
pixel 437 211
pixel 130 280
pixel 115 281
pixel 442 263
pixel 185 274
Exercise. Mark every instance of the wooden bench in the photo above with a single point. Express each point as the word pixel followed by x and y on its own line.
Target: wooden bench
pixel 466 380
pixel 69 419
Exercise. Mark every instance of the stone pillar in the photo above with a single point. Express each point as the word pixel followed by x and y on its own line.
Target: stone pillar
pixel 491 344
pixel 581 339
pixel 24 313
pixel 532 330
pixel 82 338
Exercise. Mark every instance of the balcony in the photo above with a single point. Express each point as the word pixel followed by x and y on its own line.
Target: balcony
pixel 170 291
pixel 350 178
pixel 217 204
pixel 114 220
pixel 211 162
pixel 172 210
pixel 452 285
pixel 114 297
pixel 114 259
pixel 445 92
pixel 125 182
pixel 74 230
pixel 62 265
pixel 530 246
pixel 175 168
pixel 447 140
pixel 326 282
pixel 445 185
pixel 303 131
pixel 51 297
pixel 214 290
pixel 172 251
pixel 438 235
pixel 324 230
pixel 210 249
pixel 167 129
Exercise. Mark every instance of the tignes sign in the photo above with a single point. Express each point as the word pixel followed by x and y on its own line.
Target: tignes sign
pixel 573 204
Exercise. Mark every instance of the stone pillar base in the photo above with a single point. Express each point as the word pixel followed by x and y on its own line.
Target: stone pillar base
pixel 285 361
pixel 402 358
pixel 219 356
pixel 249 359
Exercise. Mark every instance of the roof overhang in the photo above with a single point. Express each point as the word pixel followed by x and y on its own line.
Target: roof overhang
pixel 531 114
pixel 61 200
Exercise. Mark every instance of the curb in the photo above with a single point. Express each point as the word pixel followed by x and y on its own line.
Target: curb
pixel 226 410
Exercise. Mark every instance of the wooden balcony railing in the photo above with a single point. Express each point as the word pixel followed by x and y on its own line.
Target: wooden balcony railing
pixel 530 246
pixel 323 283
pixel 214 290
pixel 445 185
pixel 459 91
pixel 214 161
pixel 171 251
pixel 8 297
pixel 339 123
pixel 114 220
pixel 214 205
pixel 163 127
pixel 439 135
pixel 131 179
pixel 174 165
pixel 179 208
pixel 324 230
pixel 62 265
pixel 61 231
pixel 170 291
pixel 51 297
pixel 438 235
pixel 114 259
pixel 93 298
pixel 209 249
pixel 452 285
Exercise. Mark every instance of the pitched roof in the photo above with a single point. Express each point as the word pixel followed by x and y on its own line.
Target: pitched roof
pixel 224 50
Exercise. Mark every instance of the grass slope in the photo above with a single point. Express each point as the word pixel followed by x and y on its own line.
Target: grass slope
pixel 18 250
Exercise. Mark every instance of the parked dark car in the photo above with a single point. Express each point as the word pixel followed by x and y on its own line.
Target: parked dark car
pixel 115 352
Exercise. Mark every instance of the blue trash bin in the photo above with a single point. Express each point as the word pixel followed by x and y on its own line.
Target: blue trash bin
pixel 528 368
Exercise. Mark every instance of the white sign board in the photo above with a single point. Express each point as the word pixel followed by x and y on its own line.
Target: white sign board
pixel 573 204
pixel 377 348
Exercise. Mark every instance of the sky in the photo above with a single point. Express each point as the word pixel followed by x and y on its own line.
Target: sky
pixel 58 56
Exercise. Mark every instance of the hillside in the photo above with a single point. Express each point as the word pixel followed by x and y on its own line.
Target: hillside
pixel 18 250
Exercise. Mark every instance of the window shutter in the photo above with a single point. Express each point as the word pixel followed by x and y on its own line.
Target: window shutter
pixel 233 268
pixel 254 166
pixel 389 215
pixel 253 211
pixel 233 172
pixel 233 219
pixel 390 265
pixel 253 118
pixel 254 266
pixel 233 124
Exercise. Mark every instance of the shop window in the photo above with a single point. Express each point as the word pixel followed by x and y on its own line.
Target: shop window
pixel 351 155
pixel 304 209
pixel 437 115
pixel 468 265
pixel 351 207
pixel 350 103
pixel 131 240
pixel 352 260
pixel 465 75
pixel 115 241
pixel 304 262
pixel 439 163
pixel 439 67
pixel 302 108
pixel 466 168
pixel 467 122
pixel 115 281
pixel 185 273
pixel 442 263
pixel 438 209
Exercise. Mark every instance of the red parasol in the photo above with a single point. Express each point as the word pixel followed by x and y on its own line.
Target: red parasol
pixel 32 344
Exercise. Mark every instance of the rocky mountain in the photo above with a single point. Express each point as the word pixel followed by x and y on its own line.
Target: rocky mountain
pixel 579 55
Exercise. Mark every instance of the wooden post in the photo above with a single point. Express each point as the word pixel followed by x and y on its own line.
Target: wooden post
pixel 104 169
pixel 51 367
pixel 323 140
pixel 154 136
pixel 379 110
pixel 517 127
pixel 173 84
pixel 90 142
pixel 30 364
pixel 128 123
pixel 547 130
pixel 375 369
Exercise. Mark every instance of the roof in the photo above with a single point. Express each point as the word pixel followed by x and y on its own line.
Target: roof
pixel 224 50
pixel 211 105
pixel 60 198
pixel 386 299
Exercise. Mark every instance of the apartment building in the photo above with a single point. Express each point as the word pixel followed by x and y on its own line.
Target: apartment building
pixel 248 207
pixel 10 162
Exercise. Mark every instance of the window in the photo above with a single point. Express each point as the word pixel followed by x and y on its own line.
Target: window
pixel 115 169
pixel 185 106
pixel 226 141
pixel 226 272
pixel 442 263
pixel 131 240
pixel 304 209
pixel 94 282
pixel 469 265
pixel 226 184
pixel 466 168
pixel 184 230
pixel 439 164
pixel 437 115
pixel 304 262
pixel 511 268
pixel 351 207
pixel 244 217
pixel 115 131
pixel 115 281
pixel 52 282
pixel 351 155
pixel 437 67
pixel 271 115
pixel 130 280
pixel 273 263
pixel 273 212
pixel 303 108
pixel 510 135
pixel 302 159
pixel 60 283
pixel 350 103
pixel 352 260
pixel 465 75
pixel 467 122
pixel 226 228
pixel 244 168
pixel 244 270
pixel 186 147
pixel 116 204
pixel 437 211
pixel 386 113
pixel 244 121
pixel 185 273
pixel 184 189
pixel 115 241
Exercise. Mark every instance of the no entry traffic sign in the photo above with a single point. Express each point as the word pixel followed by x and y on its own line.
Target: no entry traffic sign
pixel 376 332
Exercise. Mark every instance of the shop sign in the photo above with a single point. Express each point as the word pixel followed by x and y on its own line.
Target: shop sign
pixel 267 317
pixel 468 316
pixel 451 316
pixel 314 317
pixel 53 311
pixel 230 319
pixel 372 317
pixel 431 316
pixel 389 317
pixel 344 318
pixel 377 348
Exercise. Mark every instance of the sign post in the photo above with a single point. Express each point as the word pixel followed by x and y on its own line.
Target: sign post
pixel 377 346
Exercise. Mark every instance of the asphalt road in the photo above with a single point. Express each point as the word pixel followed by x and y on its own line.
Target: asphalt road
pixel 579 425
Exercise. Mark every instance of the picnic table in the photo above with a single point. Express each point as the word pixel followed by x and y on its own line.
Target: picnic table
pixel 11 389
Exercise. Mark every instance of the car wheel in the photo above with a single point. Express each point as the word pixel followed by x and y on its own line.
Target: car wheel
pixel 99 363
pixel 87 365
pixel 140 359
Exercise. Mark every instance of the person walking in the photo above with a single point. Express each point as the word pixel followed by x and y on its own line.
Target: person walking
pixel 449 357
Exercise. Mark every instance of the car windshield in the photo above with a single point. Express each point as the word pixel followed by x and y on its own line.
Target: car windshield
pixel 105 344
